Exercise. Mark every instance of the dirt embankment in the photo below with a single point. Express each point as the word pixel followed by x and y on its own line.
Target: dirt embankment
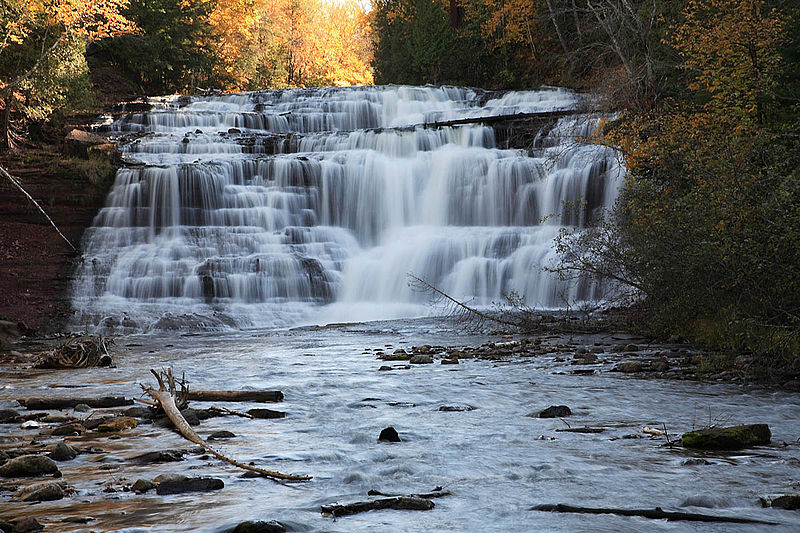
pixel 36 264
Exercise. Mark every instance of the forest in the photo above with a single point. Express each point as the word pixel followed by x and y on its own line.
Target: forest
pixel 702 100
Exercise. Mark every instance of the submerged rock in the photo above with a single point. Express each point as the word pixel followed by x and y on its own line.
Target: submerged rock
pixel 29 466
pixel 729 438
pixel 555 411
pixel 389 435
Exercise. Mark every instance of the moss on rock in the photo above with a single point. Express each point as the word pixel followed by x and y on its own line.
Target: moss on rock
pixel 729 438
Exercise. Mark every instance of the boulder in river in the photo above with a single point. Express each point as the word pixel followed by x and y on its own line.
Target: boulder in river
pixel 9 416
pixel 555 411
pixel 189 484
pixel 728 438
pixel 63 452
pixel 222 434
pixel 44 491
pixel 29 466
pixel 389 435
pixel 118 423
pixel 790 502
pixel 259 526
pixel 24 525
pixel 628 367
pixel 421 360
pixel 161 456
pixel 140 486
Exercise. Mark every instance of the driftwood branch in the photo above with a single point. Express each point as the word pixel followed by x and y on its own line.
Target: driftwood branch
pixel 167 401
pixel 17 184
pixel 655 514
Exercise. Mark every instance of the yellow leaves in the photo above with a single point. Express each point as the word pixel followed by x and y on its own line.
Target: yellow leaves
pixel 731 48
pixel 278 43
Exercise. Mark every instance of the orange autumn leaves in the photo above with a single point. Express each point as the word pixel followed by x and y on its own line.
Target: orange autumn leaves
pixel 93 19
pixel 279 43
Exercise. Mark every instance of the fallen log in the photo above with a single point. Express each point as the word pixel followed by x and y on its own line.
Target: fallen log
pixel 497 118
pixel 581 430
pixel 405 503
pixel 655 514
pixel 165 397
pixel 38 403
pixel 236 395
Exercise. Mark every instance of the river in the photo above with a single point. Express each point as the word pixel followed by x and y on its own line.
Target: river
pixel 496 461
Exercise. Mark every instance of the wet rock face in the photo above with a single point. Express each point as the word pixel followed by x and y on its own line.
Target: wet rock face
pixel 29 466
pixel 555 411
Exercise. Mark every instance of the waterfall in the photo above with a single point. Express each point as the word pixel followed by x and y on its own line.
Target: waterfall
pixel 281 207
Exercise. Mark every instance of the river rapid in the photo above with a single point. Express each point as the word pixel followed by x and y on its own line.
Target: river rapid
pixel 495 460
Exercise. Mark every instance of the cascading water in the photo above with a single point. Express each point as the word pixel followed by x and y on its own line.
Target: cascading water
pixel 278 207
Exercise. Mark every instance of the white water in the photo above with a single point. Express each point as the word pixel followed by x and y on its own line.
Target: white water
pixel 283 207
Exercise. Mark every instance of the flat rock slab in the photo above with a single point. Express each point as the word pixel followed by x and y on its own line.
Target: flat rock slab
pixel 29 466
pixel 728 438
pixel 191 484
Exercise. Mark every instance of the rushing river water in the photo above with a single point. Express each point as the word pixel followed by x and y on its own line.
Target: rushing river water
pixel 277 208
pixel 491 458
